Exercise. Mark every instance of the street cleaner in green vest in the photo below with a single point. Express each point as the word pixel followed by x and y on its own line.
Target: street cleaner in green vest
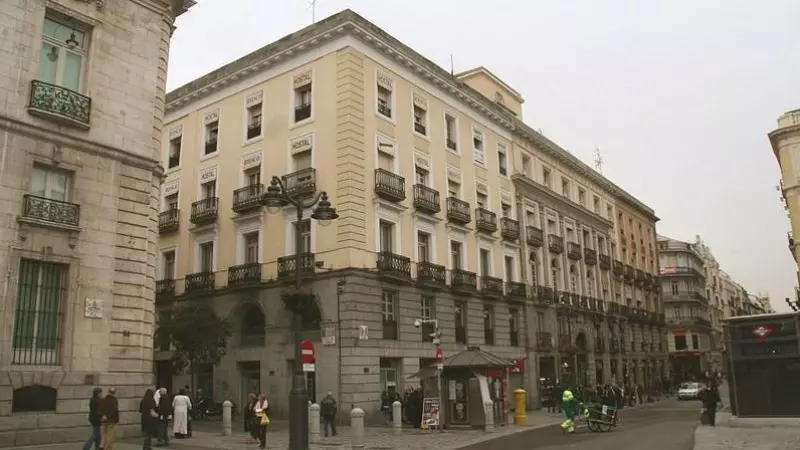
pixel 570 406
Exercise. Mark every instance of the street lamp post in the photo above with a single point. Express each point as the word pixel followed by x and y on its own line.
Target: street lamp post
pixel 437 334
pixel 277 197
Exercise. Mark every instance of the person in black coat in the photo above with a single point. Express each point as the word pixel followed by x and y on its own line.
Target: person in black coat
pixel 148 413
pixel 94 420
pixel 710 399
pixel 164 410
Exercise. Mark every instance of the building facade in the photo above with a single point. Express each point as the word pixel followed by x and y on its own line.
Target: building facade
pixel 80 173
pixel 440 216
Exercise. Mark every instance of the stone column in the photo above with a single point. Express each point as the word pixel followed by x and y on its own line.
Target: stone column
pixel 313 423
pixel 357 429
pixel 397 417
pixel 226 417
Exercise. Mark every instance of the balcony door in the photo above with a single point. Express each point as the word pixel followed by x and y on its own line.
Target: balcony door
pixel 305 235
pixel 207 257
pixel 209 190
pixel 251 248
pixel 386 231
pixel 52 184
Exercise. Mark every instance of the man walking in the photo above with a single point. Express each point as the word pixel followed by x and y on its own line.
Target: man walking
pixel 164 410
pixel 109 412
pixel 94 420
pixel 328 410
pixel 710 398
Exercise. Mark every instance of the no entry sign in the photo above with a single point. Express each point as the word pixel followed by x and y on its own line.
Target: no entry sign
pixel 307 352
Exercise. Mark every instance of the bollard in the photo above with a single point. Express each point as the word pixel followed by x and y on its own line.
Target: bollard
pixel 313 423
pixel 397 417
pixel 226 417
pixel 488 410
pixel 520 415
pixel 357 429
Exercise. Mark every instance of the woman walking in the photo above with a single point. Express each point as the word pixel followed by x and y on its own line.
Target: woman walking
pixel 147 409
pixel 261 409
pixel 250 424
pixel 181 405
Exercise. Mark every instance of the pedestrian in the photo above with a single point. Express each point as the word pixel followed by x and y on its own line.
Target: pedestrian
pixel 710 398
pixel 569 406
pixel 262 410
pixel 94 420
pixel 181 405
pixel 164 410
pixel 248 412
pixel 149 417
pixel 328 411
pixel 254 425
pixel 109 417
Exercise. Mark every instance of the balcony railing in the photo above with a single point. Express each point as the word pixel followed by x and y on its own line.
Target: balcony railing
pixel 59 104
pixel 573 251
pixel 165 289
pixel 451 144
pixel 458 211
pixel 420 128
pixel 205 211
pixel 211 146
pixel 390 186
pixel 199 282
pixel 544 341
pixel 394 265
pixel 302 183
pixel 491 286
pixel 555 243
pixel 287 266
pixel 302 112
pixel 244 274
pixel 605 261
pixel 509 229
pixel 590 256
pixel 534 236
pixel 390 329
pixel 463 280
pixel 51 211
pixel 485 220
pixel 247 198
pixel 169 221
pixel 253 130
pixel 426 199
pixel 431 274
pixel 618 268
pixel 516 290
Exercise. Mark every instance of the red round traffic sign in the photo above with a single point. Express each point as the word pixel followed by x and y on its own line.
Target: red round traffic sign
pixel 307 352
pixel 439 354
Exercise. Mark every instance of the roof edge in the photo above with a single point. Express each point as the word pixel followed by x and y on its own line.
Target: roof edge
pixel 476 70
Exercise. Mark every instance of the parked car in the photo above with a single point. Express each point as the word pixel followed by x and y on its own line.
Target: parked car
pixel 688 391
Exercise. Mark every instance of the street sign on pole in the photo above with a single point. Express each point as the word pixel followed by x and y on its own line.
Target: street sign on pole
pixel 307 352
pixel 439 354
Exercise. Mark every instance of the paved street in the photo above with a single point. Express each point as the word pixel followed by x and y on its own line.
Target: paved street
pixel 726 438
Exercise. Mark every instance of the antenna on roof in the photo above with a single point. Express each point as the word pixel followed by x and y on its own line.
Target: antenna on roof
pixel 452 66
pixel 313 6
pixel 598 160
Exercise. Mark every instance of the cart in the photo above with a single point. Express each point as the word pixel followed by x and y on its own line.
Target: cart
pixel 599 417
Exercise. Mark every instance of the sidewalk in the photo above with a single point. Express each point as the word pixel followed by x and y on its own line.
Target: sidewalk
pixel 727 438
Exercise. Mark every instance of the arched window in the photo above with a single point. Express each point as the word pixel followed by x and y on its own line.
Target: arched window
pixel 252 327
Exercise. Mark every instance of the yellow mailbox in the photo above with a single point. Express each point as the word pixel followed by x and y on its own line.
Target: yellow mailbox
pixel 520 415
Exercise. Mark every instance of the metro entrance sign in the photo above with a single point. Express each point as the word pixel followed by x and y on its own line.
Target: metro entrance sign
pixel 308 356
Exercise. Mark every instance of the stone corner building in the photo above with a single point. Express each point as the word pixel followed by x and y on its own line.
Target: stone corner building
pixel 81 105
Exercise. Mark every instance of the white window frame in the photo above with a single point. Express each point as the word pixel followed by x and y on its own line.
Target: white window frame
pixel 252 225
pixel 48 170
pixel 246 125
pixel 164 200
pixel 431 178
pixel 490 271
pixel 488 205
pixel 290 217
pixel 204 133
pixel 503 148
pixel 293 93
pixel 456 131
pixel 514 267
pixel 426 123
pixel 460 181
pixel 430 230
pixel 162 263
pixel 242 170
pixel 199 195
pixel 291 166
pixel 393 99
pixel 167 152
pixel 69 23
pixel 382 138
pixel 202 238
pixel 464 260
pixel 384 214
pixel 475 130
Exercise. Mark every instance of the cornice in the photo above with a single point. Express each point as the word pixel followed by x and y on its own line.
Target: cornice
pixel 779 133
pixel 349 23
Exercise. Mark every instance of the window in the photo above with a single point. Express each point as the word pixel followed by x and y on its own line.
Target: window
pixel 506 210
pixel 251 253
pixel 596 204
pixel 63 55
pixel 460 316
pixel 451 132
pixel 302 100
pixel 573 279
pixel 482 200
pixel 421 176
pixel 695 342
pixel 212 137
pixel 420 119
pixel 386 230
pixel 610 212
pixel 385 161
pixel 388 376
pixel 582 197
pixel 37 323
pixel 423 246
pixel 252 176
pixel 456 255
pixel 486 262
pixel 589 283
pixel 384 96
pixel 502 159
pixel 526 166
pixel 587 238
pixel 534 269
pixel 209 189
pixel 168 265
pixel 680 343
pixel 428 312
pixel 546 177
pixel 551 226
pixel 254 114
pixel 540 326
pixel 50 183
pixel 453 189
pixel 389 313
pixel 509 267
pixel 207 257
pixel 674 288
pixel 513 327
pixel 174 159
pixel 488 325
pixel 565 187
pixel 171 201
pixel 305 235
pixel 478 151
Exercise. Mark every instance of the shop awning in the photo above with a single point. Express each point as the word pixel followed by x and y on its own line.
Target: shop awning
pixel 471 358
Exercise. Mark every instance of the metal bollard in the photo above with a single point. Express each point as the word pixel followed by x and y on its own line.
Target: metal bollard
pixel 313 423
pixel 397 417
pixel 226 417
pixel 488 410
pixel 357 429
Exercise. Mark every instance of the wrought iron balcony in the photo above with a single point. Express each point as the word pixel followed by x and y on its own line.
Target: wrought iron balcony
pixel 431 274
pixel 599 345
pixel 244 274
pixel 544 341
pixel 205 211
pixel 491 286
pixel 451 144
pixel 516 290
pixel 50 211
pixel 394 266
pixel 247 198
pixel 426 199
pixel 302 183
pixel 199 282
pixel 420 128
pixel 462 280
pixel 302 112
pixel 605 261
pixel 509 229
pixel 555 243
pixel 287 266
pixel 390 186
pixel 169 221
pixel 59 104
pixel 211 146
pixel 458 211
pixel 485 220
pixel 574 251
pixel 254 130
pixel 590 256
pixel 165 289
pixel 534 236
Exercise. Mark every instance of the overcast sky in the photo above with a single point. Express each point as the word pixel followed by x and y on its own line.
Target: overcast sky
pixel 678 95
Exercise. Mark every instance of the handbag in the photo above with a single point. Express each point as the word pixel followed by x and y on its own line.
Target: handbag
pixel 264 419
